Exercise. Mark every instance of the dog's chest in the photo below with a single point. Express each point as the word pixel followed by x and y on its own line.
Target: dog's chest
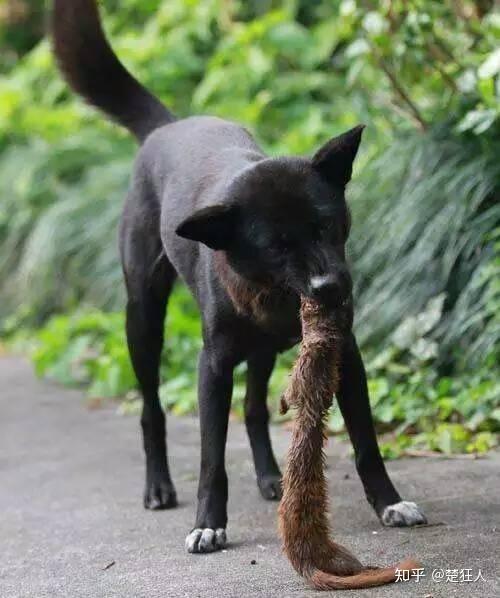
pixel 280 320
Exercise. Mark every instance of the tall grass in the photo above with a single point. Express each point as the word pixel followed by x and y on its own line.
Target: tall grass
pixel 426 223
pixel 59 209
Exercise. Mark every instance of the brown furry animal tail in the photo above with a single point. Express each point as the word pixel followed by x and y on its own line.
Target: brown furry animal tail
pixel 303 509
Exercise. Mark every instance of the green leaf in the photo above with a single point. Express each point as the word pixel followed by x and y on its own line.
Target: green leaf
pixel 491 66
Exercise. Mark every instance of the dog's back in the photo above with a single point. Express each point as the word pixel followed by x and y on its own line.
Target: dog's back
pixel 187 165
pixel 200 152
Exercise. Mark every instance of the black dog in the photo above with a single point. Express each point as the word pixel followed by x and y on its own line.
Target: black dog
pixel 248 234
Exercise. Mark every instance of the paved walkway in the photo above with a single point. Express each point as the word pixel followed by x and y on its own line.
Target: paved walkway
pixel 72 525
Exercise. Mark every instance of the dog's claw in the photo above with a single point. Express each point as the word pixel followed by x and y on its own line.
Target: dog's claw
pixel 270 488
pixel 160 495
pixel 206 540
pixel 403 514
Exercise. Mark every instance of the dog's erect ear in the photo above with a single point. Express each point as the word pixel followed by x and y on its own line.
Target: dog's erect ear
pixel 334 160
pixel 214 226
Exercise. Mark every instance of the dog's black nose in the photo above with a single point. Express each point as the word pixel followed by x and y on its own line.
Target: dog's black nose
pixel 330 289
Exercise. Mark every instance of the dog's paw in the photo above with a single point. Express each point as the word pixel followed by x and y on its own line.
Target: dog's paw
pixel 403 514
pixel 160 494
pixel 206 540
pixel 270 487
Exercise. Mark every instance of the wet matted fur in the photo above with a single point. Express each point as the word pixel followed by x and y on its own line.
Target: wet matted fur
pixel 303 520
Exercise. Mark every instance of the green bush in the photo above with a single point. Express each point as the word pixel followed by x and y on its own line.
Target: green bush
pixel 436 233
pixel 420 408
pixel 425 246
pixel 88 348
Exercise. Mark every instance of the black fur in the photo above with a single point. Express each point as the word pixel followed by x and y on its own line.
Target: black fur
pixel 248 234
pixel 92 69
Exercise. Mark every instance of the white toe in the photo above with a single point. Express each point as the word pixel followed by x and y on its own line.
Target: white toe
pixel 403 514
pixel 220 537
pixel 206 540
pixel 192 540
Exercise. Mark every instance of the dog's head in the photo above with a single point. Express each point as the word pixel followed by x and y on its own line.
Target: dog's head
pixel 285 222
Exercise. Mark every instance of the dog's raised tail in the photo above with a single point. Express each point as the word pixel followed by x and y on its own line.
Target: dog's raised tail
pixel 92 69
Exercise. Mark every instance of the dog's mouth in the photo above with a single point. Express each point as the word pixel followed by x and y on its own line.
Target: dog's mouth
pixel 330 290
pixel 339 308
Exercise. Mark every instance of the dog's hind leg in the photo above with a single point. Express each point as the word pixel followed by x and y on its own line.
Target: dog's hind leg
pixel 355 407
pixel 148 286
pixel 260 367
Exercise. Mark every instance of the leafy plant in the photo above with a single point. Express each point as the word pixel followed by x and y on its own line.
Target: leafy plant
pixel 434 232
pixel 88 348
pixel 425 246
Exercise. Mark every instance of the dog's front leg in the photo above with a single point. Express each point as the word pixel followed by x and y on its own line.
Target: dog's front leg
pixel 215 386
pixel 355 407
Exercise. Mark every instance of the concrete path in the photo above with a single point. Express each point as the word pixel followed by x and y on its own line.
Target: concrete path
pixel 72 524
